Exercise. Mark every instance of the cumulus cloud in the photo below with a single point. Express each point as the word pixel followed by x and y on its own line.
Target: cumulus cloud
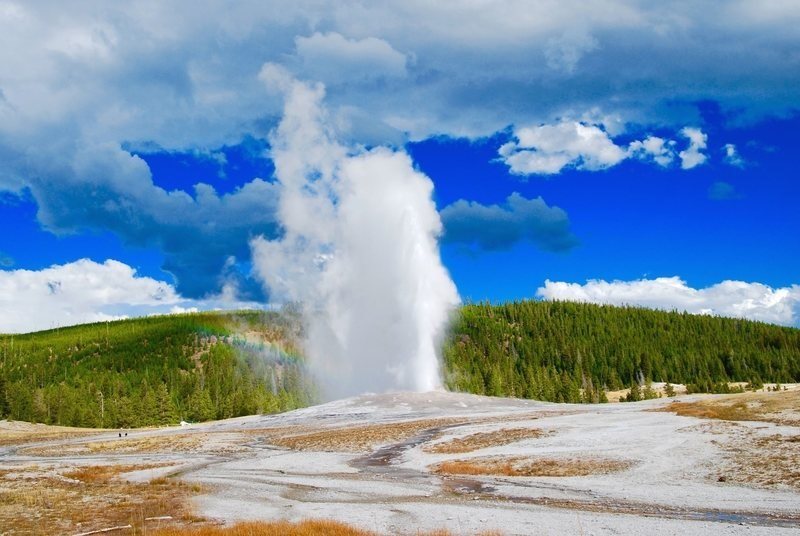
pixel 126 72
pixel 86 291
pixel 333 58
pixel 108 75
pixel 722 191
pixel 497 227
pixel 754 301
pixel 732 156
pixel 661 151
pixel 693 155
pixel 105 187
pixel 548 149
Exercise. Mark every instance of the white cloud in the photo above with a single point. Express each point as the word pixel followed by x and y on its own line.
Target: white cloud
pixel 732 156
pixel 658 149
pixel 332 58
pixel 754 301
pixel 693 156
pixel 547 149
pixel 86 291
pixel 156 71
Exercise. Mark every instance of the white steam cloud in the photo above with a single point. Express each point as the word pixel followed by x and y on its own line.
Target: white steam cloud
pixel 359 252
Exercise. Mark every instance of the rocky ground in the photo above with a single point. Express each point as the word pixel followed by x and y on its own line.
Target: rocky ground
pixel 403 463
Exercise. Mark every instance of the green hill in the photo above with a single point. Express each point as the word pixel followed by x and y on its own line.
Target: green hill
pixel 156 370
pixel 570 352
pixel 159 370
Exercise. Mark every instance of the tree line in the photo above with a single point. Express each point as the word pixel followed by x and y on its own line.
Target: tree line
pixel 155 371
pixel 202 366
pixel 575 352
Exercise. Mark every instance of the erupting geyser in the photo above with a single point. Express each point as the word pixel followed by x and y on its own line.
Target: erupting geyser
pixel 359 252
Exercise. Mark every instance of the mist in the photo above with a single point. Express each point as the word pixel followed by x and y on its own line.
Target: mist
pixel 359 252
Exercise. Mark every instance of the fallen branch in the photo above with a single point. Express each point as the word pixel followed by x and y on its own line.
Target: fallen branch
pixel 110 529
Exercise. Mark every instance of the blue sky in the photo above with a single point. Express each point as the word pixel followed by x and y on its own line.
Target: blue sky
pixel 648 157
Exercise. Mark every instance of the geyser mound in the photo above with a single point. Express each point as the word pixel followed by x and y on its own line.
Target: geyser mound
pixel 359 252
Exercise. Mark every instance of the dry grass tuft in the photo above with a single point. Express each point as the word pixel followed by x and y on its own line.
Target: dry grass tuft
pixel 99 474
pixel 483 440
pixel 528 466
pixel 359 438
pixel 89 498
pixel 315 527
pixel 781 407
pixel 212 443
pixel 270 528
pixel 763 461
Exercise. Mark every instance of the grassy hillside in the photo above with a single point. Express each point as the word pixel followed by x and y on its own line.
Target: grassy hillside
pixel 570 352
pixel 156 370
pixel 194 367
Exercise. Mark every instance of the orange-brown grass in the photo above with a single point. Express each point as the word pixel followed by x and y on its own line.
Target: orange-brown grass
pixel 88 498
pixel 269 528
pixel 781 407
pixel 763 461
pixel 216 443
pixel 483 440
pixel 318 527
pixel 98 474
pixel 528 466
pixel 359 438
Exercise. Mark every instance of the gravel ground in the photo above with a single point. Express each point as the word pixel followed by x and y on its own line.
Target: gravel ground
pixel 656 473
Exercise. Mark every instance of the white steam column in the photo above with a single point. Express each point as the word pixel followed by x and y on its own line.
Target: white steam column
pixel 359 251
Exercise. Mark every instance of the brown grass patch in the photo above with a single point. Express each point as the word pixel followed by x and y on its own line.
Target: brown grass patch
pixel 99 474
pixel 213 443
pixel 270 528
pixel 315 527
pixel 781 407
pixel 763 461
pixel 89 498
pixel 528 466
pixel 359 438
pixel 483 440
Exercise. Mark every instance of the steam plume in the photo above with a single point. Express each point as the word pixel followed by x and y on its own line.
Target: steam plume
pixel 359 252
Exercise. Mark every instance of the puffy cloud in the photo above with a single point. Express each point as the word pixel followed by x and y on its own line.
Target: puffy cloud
pixel 550 148
pixel 722 191
pixel 732 156
pixel 107 188
pixel 496 227
pixel 155 72
pixel 754 301
pixel 658 149
pixel 692 156
pixel 547 149
pixel 86 291
pixel 5 261
pixel 333 58
pixel 112 75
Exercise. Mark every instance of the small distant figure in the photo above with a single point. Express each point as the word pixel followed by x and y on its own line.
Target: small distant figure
pixel 120 434
pixel 126 434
